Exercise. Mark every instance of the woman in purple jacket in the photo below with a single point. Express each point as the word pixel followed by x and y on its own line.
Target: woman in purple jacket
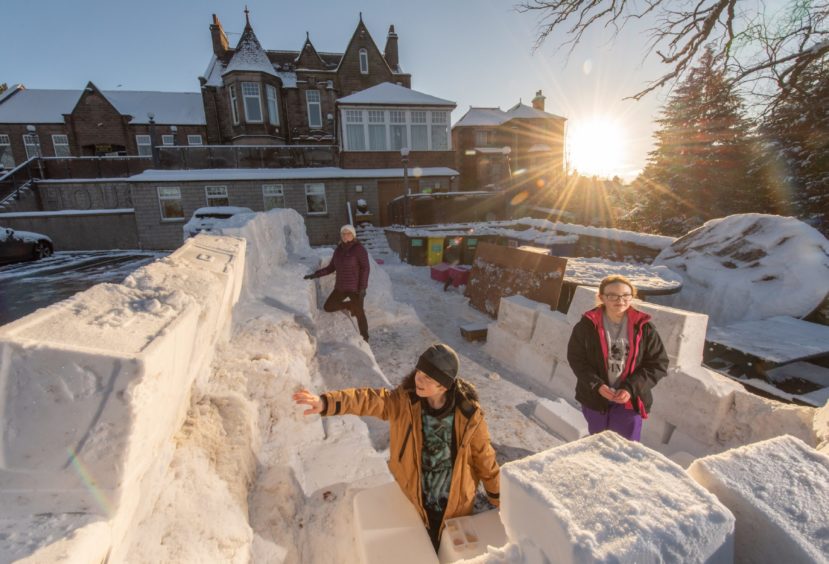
pixel 350 262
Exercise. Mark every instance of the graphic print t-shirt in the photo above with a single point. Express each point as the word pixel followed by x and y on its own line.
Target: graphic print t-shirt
pixel 617 348
pixel 437 456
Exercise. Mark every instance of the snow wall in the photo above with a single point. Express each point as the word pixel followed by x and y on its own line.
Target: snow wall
pixel 92 390
pixel 695 412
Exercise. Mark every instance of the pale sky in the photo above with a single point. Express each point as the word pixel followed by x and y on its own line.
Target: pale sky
pixel 474 52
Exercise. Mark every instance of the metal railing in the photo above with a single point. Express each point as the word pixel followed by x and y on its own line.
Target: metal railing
pixel 17 179
pixel 246 156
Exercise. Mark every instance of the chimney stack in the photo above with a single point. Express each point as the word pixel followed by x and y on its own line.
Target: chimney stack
pixel 217 33
pixel 390 52
pixel 538 101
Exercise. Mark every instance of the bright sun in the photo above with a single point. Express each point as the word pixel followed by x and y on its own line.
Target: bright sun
pixel 596 147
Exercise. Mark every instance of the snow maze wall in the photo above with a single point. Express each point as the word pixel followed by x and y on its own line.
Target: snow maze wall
pixel 103 398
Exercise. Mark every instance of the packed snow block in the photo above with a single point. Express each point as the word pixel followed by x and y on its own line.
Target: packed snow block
pixel 388 528
pixel 695 400
pixel 561 418
pixel 502 345
pixel 563 383
pixel 778 490
pixel 529 362
pixel 93 389
pixel 517 315
pixel 551 334
pixel 466 537
pixel 584 299
pixel 682 332
pixel 606 499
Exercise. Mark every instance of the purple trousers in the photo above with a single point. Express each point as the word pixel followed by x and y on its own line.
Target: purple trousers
pixel 626 422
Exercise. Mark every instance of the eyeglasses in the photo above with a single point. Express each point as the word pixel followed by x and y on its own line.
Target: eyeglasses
pixel 618 297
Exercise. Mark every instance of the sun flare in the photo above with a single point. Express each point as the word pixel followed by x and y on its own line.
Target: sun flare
pixel 596 147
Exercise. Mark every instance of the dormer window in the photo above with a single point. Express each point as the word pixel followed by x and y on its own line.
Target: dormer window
pixel 363 61
pixel 253 105
pixel 233 109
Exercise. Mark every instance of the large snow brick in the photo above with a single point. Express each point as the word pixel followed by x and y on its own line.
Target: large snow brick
pixel 561 418
pixel 388 528
pixel 93 389
pixel 779 492
pixel 564 380
pixel 682 332
pixel 530 363
pixel 517 315
pixel 551 335
pixel 604 498
pixel 467 537
pixel 584 299
pixel 502 345
pixel 695 400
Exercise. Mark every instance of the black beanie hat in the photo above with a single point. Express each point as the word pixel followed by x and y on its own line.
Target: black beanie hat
pixel 440 363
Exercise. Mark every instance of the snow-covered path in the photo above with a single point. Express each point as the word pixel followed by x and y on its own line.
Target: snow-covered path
pixel 254 480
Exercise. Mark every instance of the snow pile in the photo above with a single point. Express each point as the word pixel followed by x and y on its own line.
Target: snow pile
pixel 743 267
pixel 778 489
pixel 109 372
pixel 607 499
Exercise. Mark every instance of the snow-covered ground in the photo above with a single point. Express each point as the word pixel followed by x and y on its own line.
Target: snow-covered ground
pixel 249 478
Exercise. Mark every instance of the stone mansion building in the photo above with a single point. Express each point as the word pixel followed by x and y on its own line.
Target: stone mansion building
pixel 312 130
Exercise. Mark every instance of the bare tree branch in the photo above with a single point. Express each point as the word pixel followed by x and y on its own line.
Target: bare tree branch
pixel 754 47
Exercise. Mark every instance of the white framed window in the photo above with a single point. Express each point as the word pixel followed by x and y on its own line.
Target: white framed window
pixel 32 145
pixel 273 105
pixel 273 196
pixel 312 100
pixel 194 140
pixel 252 102
pixel 61 145
pixel 145 145
pixel 315 199
pixel 234 109
pixel 377 130
pixel 440 131
pixel 483 138
pixel 419 131
pixel 216 196
pixel 6 157
pixel 168 140
pixel 397 130
pixel 363 61
pixel 354 133
pixel 169 201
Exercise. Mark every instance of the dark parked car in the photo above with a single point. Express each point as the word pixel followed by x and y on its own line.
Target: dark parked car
pixel 23 245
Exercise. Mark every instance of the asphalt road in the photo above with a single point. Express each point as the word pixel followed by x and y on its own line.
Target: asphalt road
pixel 28 286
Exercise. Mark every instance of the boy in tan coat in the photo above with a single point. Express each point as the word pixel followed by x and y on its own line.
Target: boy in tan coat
pixel 439 441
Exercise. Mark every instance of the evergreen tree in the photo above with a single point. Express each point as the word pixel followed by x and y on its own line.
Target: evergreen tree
pixel 796 135
pixel 701 167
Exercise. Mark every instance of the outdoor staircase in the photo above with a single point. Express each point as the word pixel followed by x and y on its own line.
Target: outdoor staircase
pixel 375 242
pixel 23 200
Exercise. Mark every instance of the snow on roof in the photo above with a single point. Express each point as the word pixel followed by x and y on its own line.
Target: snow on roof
pixel 393 94
pixel 778 339
pixel 182 108
pixel 540 148
pixel 482 117
pixel 749 266
pixel 490 150
pixel 523 111
pixel 249 55
pixel 283 174
pixel 38 106
pixel 48 106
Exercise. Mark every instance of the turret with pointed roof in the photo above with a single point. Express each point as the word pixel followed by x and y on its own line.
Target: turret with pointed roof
pixel 249 55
